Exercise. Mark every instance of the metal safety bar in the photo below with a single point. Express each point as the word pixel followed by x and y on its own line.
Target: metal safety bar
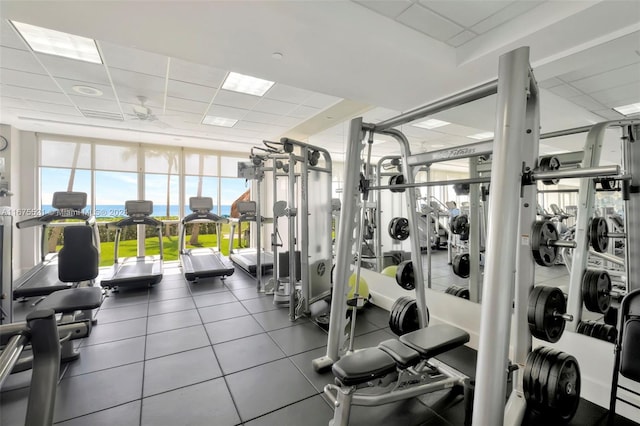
pixel 10 355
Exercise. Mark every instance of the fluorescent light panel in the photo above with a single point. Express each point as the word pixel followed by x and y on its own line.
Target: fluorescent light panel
pixel 482 135
pixel 628 109
pixel 431 123
pixel 219 121
pixel 58 43
pixel 246 84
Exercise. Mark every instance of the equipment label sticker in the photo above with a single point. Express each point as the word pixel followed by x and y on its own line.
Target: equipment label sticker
pixel 524 239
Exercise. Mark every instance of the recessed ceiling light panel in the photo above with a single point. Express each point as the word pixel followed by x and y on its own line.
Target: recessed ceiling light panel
pixel 58 43
pixel 246 84
pixel 628 109
pixel 87 90
pixel 482 135
pixel 431 123
pixel 219 121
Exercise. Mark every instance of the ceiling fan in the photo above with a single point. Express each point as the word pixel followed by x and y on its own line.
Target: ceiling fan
pixel 144 113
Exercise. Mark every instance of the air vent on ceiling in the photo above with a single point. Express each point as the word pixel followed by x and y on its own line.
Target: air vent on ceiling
pixel 104 115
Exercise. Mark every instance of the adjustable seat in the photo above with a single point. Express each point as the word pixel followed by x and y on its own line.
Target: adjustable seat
pixel 363 366
pixel 435 339
pixel 403 355
pixel 74 299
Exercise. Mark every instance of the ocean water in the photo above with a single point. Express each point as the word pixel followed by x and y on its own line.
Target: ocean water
pixel 113 210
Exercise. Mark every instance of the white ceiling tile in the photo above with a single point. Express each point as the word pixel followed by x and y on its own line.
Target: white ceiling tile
pixel 287 121
pixel 465 12
pixel 513 10
pixel 196 73
pixel 235 99
pixel 7 101
pixel 9 38
pixel 22 60
pixel 378 114
pixel 322 101
pixel 71 69
pixel 249 125
pixel 194 92
pixel 429 23
pixel 272 106
pixel 390 8
pixel 587 102
pixel 54 108
pixel 599 67
pixel 27 79
pixel 282 92
pixel 38 95
pixel 136 60
pixel 549 83
pixel 227 112
pixel 609 114
pixel 609 79
pixel 304 112
pixel 261 117
pixel 619 95
pixel 565 91
pixel 462 38
pixel 129 85
pixel 96 104
pixel 178 104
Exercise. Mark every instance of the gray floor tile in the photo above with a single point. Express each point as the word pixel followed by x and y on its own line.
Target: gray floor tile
pixel 261 304
pixel 299 338
pixel 248 352
pixel 274 320
pixel 231 329
pixel 172 305
pixel 222 312
pixel 303 362
pixel 173 341
pixel 372 339
pixel 103 333
pixel 106 316
pixel 363 326
pixel 237 284
pixel 178 370
pixel 88 393
pixel 166 294
pixel 258 390
pixel 108 355
pixel 209 286
pixel 122 415
pixel 375 315
pixel 408 412
pixel 17 381
pixel 169 284
pixel 211 299
pixel 248 293
pixel 13 406
pixel 202 404
pixel 125 297
pixel 310 412
pixel 173 320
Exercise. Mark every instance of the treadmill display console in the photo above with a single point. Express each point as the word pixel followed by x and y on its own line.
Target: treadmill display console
pixel 138 207
pixel 69 200
pixel 201 204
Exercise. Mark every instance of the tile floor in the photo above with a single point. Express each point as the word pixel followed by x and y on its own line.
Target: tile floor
pixel 219 353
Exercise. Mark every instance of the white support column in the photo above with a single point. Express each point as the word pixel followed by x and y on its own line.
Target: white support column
pixel 502 241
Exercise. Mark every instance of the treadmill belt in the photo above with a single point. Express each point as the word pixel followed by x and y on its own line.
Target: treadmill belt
pixel 247 260
pixel 41 282
pixel 135 271
pixel 204 263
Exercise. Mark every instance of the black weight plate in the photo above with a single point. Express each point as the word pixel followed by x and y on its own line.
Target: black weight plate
pixel 535 374
pixel 563 388
pixel 608 184
pixel 392 183
pixel 451 289
pixel 543 378
pixel 460 224
pixel 611 317
pixel 392 226
pixel 595 330
pixel 404 275
pixel 461 265
pixel 610 333
pixel 599 234
pixel 463 293
pixel 397 307
pixel 399 181
pixel 596 288
pixel 531 306
pixel 542 232
pixel 409 318
pixel 399 228
pixel 548 326
pixel 528 382
pixel 549 164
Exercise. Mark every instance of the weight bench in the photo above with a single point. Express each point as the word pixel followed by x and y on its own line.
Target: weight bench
pixel 401 369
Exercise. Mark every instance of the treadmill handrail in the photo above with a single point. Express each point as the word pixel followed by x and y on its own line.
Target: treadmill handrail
pixel 135 220
pixel 202 216
pixel 50 217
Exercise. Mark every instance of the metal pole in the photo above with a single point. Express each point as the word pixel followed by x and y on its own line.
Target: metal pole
pixel 632 206
pixel 345 241
pixel 258 235
pixel 470 95
pixel 502 238
pixel 10 355
pixel 6 267
pixel 416 257
pixel 475 278
pixel 292 238
pixel 583 172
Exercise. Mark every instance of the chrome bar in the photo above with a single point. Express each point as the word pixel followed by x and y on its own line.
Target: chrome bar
pixel 577 173
pixel 10 355
pixel 432 183
pixel 399 395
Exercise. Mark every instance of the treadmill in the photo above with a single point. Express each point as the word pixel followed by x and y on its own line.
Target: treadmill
pixel 42 279
pixel 140 270
pixel 247 258
pixel 203 262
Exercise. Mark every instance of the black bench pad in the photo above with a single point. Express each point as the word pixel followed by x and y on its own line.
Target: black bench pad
pixel 74 299
pixel 362 366
pixel 403 355
pixel 435 339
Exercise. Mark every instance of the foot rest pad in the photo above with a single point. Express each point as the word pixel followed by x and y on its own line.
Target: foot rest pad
pixel 362 366
pixel 74 299
pixel 403 355
pixel 435 339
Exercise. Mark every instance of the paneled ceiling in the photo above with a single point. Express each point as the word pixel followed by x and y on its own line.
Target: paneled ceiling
pixel 337 59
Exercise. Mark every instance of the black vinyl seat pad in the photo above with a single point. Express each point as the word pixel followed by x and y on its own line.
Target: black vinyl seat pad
pixel 435 339
pixel 402 354
pixel 362 366
pixel 74 299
